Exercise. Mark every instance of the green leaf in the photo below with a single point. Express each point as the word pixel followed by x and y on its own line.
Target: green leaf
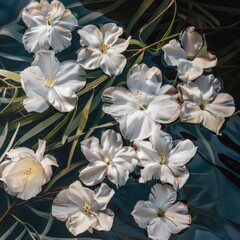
pixel 10 75
pixel 40 127
pixel 82 123
pixel 3 135
pixel 143 7
pixel 9 231
pixel 16 58
pixel 21 235
pixel 39 213
pixel 10 143
pixel 94 15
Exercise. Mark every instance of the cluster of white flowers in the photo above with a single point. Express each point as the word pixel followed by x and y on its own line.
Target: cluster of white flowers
pixel 140 110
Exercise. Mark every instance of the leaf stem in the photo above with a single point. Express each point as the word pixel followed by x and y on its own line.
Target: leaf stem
pixel 8 211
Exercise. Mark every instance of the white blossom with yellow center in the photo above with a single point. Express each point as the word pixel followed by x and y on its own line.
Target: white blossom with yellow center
pixel 102 48
pixel 48 81
pixel 107 159
pixel 145 104
pixel 164 159
pixel 84 209
pixel 49 25
pixel 25 172
pixel 161 215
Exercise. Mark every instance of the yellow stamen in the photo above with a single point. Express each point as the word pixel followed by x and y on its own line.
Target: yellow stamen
pixel 48 83
pixel 137 95
pixel 163 157
pixel 204 105
pixel 160 212
pixel 28 172
pixel 109 159
pixel 87 208
pixel 47 19
pixel 105 48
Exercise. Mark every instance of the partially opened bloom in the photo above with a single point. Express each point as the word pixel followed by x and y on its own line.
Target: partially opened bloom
pixel 164 159
pixel 49 25
pixel 190 55
pixel 84 209
pixel 102 48
pixel 109 159
pixel 160 214
pixel 24 171
pixel 48 81
pixel 145 104
pixel 202 103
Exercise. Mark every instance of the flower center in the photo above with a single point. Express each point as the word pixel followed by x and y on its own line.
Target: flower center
pixel 87 208
pixel 204 105
pixel 48 83
pixel 109 159
pixel 28 173
pixel 163 158
pixel 137 95
pixel 47 18
pixel 160 212
pixel 105 48
pixel 190 57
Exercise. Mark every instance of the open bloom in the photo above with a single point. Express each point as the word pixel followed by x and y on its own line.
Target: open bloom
pixel 190 55
pixel 49 82
pixel 109 159
pixel 84 209
pixel 49 25
pixel 142 106
pixel 164 159
pixel 160 215
pixel 202 103
pixel 102 48
pixel 25 172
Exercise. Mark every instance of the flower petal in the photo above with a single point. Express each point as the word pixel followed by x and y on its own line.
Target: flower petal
pixel 89 58
pixel 30 105
pixel 161 141
pixel 79 222
pixel 36 38
pixel 222 105
pixel 164 109
pixel 204 63
pixel 167 176
pixel 91 36
pixel 104 221
pixel 67 21
pixel 47 164
pixel 41 149
pixel 102 196
pixel 191 41
pixel 94 173
pixel 146 153
pixel 190 112
pixel 113 63
pixel 158 230
pixel 211 122
pixel 182 152
pixel 162 196
pixel 144 79
pixel 47 62
pixel 110 33
pixel 69 75
pixel 187 71
pixel 120 45
pixel 118 102
pixel 111 141
pixel 173 52
pixel 59 38
pixel 136 125
pixel 179 218
pixel 62 98
pixel 143 213
pixel 150 171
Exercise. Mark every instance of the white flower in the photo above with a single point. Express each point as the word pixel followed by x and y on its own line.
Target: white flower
pixel 202 103
pixel 109 159
pixel 25 172
pixel 190 55
pixel 164 159
pixel 49 25
pixel 146 104
pixel 160 215
pixel 84 209
pixel 49 82
pixel 102 48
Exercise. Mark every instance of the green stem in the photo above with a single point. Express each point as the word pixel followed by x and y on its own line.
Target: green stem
pixel 8 211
